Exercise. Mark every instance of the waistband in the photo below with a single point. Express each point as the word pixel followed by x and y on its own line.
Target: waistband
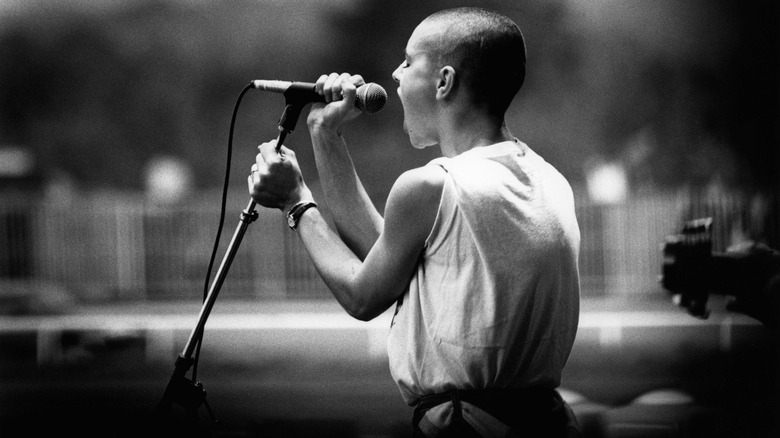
pixel 514 395
pixel 529 400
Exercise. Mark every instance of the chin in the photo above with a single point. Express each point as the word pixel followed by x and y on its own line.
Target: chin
pixel 419 144
pixel 417 141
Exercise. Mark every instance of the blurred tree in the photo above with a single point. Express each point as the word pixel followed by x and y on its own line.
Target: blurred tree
pixel 97 94
pixel 679 92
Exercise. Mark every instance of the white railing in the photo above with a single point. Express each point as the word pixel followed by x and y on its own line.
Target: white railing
pixel 118 246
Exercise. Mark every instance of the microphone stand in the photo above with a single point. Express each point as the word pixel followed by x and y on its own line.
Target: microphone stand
pixel 181 390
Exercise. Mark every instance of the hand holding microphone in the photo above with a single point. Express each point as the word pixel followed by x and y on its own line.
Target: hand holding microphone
pixel 369 98
pixel 350 92
pixel 275 179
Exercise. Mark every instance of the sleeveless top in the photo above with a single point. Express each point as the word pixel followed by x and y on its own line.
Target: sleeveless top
pixel 494 301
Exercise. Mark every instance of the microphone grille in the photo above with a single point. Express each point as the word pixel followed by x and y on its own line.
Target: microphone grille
pixel 371 98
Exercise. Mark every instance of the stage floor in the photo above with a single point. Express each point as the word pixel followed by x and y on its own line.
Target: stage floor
pixel 308 369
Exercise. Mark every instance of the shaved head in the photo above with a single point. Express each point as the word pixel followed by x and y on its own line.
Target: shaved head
pixel 486 49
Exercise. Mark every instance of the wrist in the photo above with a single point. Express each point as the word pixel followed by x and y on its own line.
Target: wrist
pixel 296 213
pixel 319 127
pixel 303 195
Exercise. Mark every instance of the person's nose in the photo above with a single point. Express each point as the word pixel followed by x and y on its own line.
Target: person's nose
pixel 397 73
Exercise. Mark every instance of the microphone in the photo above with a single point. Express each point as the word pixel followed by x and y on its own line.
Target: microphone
pixel 370 97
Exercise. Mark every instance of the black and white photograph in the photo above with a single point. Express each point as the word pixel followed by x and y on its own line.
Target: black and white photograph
pixel 390 219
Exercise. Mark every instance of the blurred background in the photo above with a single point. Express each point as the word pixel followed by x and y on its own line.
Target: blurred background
pixel 114 122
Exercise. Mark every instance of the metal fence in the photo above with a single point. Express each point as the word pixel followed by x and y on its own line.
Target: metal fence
pixel 118 246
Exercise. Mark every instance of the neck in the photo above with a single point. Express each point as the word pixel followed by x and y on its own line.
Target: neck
pixel 461 134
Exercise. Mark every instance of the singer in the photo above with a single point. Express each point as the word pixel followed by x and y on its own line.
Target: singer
pixel 477 250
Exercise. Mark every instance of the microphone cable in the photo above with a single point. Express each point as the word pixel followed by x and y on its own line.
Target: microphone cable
pixel 221 221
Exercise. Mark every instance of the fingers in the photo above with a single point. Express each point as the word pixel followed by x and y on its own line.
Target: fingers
pixel 275 179
pixel 336 82
pixel 269 155
pixel 334 87
pixel 320 84
pixel 270 161
pixel 263 160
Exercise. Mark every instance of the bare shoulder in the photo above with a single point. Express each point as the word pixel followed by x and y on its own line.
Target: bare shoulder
pixel 420 184
pixel 414 201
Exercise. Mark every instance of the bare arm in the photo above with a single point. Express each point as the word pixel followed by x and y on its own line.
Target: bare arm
pixel 364 288
pixel 357 220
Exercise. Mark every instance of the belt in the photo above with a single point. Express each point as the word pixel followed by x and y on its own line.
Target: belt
pixel 519 409
pixel 534 398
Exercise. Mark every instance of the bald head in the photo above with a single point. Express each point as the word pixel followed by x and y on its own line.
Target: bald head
pixel 485 48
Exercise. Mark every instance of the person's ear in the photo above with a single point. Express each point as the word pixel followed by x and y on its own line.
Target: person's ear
pixel 445 86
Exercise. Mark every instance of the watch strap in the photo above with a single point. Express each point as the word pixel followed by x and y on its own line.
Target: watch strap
pixel 295 213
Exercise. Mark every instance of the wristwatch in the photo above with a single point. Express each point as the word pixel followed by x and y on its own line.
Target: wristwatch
pixel 295 213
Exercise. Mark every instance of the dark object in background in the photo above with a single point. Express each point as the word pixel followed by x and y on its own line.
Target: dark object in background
pixel 749 273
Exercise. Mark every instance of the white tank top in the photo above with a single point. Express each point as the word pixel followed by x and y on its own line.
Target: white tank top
pixel 494 302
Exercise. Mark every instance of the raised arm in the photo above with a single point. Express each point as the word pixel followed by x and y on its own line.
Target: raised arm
pixel 357 220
